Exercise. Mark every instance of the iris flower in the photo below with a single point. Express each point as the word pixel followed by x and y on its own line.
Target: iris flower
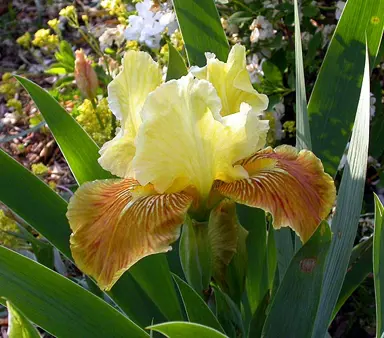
pixel 185 147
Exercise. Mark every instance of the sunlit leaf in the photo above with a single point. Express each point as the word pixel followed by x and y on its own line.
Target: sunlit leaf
pixel 57 304
pixel 334 98
pixel 378 265
pixel 348 207
pixel 294 306
pixel 201 28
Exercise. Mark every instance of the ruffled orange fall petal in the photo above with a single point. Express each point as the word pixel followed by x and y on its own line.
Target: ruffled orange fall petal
pixel 291 185
pixel 115 223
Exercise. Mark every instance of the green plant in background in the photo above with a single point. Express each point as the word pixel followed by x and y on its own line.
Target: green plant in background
pixel 265 282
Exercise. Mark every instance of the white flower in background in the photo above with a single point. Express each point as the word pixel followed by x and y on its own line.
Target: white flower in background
pixel 373 105
pixel 10 118
pixel 305 38
pixel 279 109
pixel 326 32
pixel 339 9
pixel 112 36
pixel 254 68
pixel 261 29
pixel 150 22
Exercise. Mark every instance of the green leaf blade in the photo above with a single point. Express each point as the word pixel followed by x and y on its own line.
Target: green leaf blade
pixel 201 28
pixel 294 307
pixel 303 135
pixel 195 307
pixel 360 266
pixel 176 64
pixel 155 267
pixel 378 265
pixel 253 220
pixel 79 150
pixel 18 325
pixel 186 330
pixel 348 207
pixel 330 112
pixel 35 202
pixel 81 153
pixel 57 304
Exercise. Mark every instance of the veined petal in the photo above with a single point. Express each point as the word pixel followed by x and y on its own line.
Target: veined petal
pixel 126 95
pixel 115 223
pixel 232 82
pixel 291 185
pixel 184 141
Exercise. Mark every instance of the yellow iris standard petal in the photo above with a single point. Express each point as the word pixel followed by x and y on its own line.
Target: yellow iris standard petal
pixel 115 223
pixel 232 81
pixel 126 95
pixel 291 185
pixel 184 141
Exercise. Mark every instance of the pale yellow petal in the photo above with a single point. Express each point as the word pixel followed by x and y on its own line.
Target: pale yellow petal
pixel 232 82
pixel 126 95
pixel 291 185
pixel 117 154
pixel 127 92
pixel 115 223
pixel 184 141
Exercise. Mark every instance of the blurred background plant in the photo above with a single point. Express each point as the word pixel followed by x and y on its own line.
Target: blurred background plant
pixel 74 49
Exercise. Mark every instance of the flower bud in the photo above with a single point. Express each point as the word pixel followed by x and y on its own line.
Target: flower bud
pixel 85 76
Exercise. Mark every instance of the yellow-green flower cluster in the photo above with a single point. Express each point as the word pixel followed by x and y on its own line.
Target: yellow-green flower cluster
pixel 43 38
pixel 7 226
pixel 15 104
pixel 116 8
pixel 164 53
pixel 96 122
pixel 39 168
pixel 290 128
pixel 132 45
pixel 85 18
pixel 8 86
pixel 70 14
pixel 177 40
pixel 35 120
pixel 271 136
pixel 54 24
pixel 24 40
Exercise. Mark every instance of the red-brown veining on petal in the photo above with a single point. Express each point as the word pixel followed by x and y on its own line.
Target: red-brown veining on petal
pixel 290 185
pixel 113 228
